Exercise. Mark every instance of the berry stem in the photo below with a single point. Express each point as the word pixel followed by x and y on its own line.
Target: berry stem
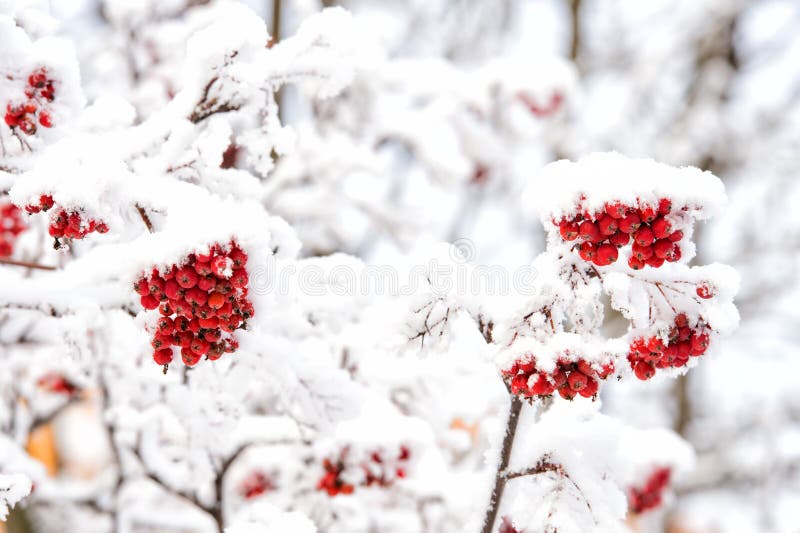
pixel 26 264
pixel 145 218
pixel 500 478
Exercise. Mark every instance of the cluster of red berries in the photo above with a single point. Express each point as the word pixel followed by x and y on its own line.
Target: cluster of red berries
pixel 648 354
pixel 650 495
pixel 40 91
pixel 255 484
pixel 57 384
pixel 66 223
pixel 11 225
pixel 378 470
pixel 569 378
pixel 202 302
pixel 602 234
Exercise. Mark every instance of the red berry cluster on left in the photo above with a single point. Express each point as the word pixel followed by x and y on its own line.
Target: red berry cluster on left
pixel 654 239
pixel 648 354
pixel 378 470
pixel 570 378
pixel 650 495
pixel 25 115
pixel 255 484
pixel 11 225
pixel 71 224
pixel 202 302
pixel 57 384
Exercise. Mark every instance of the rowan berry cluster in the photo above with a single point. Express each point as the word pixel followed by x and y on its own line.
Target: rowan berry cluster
pixel 650 495
pixel 201 302
pixel 378 470
pixel 25 115
pixel 255 484
pixel 66 223
pixel 11 225
pixel 648 354
pixel 649 228
pixel 569 378
pixel 57 384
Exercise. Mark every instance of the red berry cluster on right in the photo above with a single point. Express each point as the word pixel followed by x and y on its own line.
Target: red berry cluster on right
pixel 39 92
pixel 648 354
pixel 202 302
pixel 64 223
pixel 651 494
pixel 654 240
pixel 570 378
pixel 11 225
pixel 255 484
pixel 378 470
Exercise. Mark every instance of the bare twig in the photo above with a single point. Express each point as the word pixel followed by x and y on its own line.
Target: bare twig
pixel 501 478
pixel 26 264
pixel 145 218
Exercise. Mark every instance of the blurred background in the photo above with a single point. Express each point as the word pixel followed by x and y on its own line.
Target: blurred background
pixel 441 131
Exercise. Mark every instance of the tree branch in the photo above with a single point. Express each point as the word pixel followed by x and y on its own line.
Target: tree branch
pixel 26 264
pixel 501 478
pixel 145 218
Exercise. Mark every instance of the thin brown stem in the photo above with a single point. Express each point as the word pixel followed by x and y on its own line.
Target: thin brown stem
pixel 26 264
pixel 145 218
pixel 501 478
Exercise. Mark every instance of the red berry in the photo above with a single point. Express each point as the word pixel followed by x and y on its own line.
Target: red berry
pixel 163 356
pixel 588 231
pixel 607 225
pixel 699 342
pixel 186 277
pixel 704 291
pixel 221 266
pixel 216 300
pixel 568 230
pixel 199 346
pixel 11 120
pixel 630 223
pixel 643 370
pixel 149 302
pixel 38 78
pixel 590 389
pixel 642 253
pixel 619 239
pixel 141 287
pixel 45 119
pixel 648 214
pixel 606 254
pixel 664 206
pixel 165 325
pixel 655 262
pixel 27 126
pixel 661 228
pixel 587 250
pixel 675 236
pixel 644 236
pixel 663 248
pixel 616 210
pixel 577 380
pixel 189 357
pixel 239 278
